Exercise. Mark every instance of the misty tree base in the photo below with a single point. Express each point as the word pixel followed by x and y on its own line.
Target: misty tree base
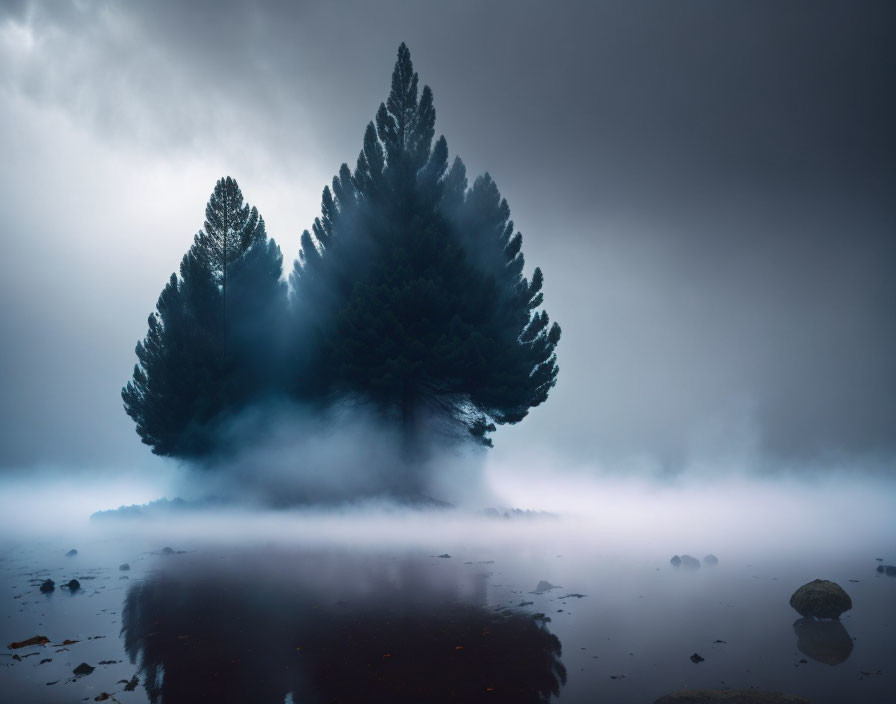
pixel 165 507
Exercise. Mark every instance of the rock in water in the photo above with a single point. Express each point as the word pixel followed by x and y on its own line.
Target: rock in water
pixel 823 641
pixel 28 642
pixel 730 696
pixel 543 586
pixel 822 599
pixel 676 561
pixel 71 553
pixel 690 562
pixel 710 560
pixel 83 669
pixel 73 585
pixel 125 566
pixel 47 586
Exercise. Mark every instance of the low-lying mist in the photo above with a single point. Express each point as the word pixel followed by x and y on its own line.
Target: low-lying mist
pixel 281 454
pixel 528 508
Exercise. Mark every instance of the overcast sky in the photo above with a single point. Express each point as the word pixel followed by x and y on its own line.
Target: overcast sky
pixel 709 188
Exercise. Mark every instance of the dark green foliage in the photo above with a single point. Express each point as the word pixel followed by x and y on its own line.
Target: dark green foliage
pixel 411 289
pixel 408 294
pixel 210 346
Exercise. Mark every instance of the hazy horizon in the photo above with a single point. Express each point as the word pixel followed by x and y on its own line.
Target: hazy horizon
pixel 708 190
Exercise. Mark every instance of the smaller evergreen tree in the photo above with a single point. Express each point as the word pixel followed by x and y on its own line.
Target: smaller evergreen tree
pixel 212 344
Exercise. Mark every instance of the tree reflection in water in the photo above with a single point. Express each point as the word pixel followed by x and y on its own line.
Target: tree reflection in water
pixel 333 628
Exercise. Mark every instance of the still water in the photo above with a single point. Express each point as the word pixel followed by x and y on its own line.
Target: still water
pixel 433 606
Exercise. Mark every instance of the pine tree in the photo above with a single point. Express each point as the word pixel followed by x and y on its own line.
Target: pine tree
pixel 411 288
pixel 230 228
pixel 212 345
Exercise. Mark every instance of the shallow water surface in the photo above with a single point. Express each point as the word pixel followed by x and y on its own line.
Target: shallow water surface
pixel 433 607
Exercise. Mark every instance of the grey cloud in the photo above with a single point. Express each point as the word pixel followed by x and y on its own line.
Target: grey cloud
pixel 707 186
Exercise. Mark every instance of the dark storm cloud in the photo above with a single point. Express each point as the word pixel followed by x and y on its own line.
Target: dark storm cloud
pixel 707 186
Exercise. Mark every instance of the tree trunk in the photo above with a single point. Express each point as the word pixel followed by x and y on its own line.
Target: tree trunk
pixel 413 453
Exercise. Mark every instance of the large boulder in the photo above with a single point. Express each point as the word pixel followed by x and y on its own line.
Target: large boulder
pixel 822 599
pixel 730 696
pixel 690 562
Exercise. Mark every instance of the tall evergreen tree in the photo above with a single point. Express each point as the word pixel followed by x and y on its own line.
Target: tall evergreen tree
pixel 212 342
pixel 411 287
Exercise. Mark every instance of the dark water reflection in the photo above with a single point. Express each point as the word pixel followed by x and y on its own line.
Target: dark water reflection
pixel 824 641
pixel 333 628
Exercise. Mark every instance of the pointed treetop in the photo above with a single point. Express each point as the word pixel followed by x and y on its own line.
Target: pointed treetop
pixel 402 101
pixel 404 125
